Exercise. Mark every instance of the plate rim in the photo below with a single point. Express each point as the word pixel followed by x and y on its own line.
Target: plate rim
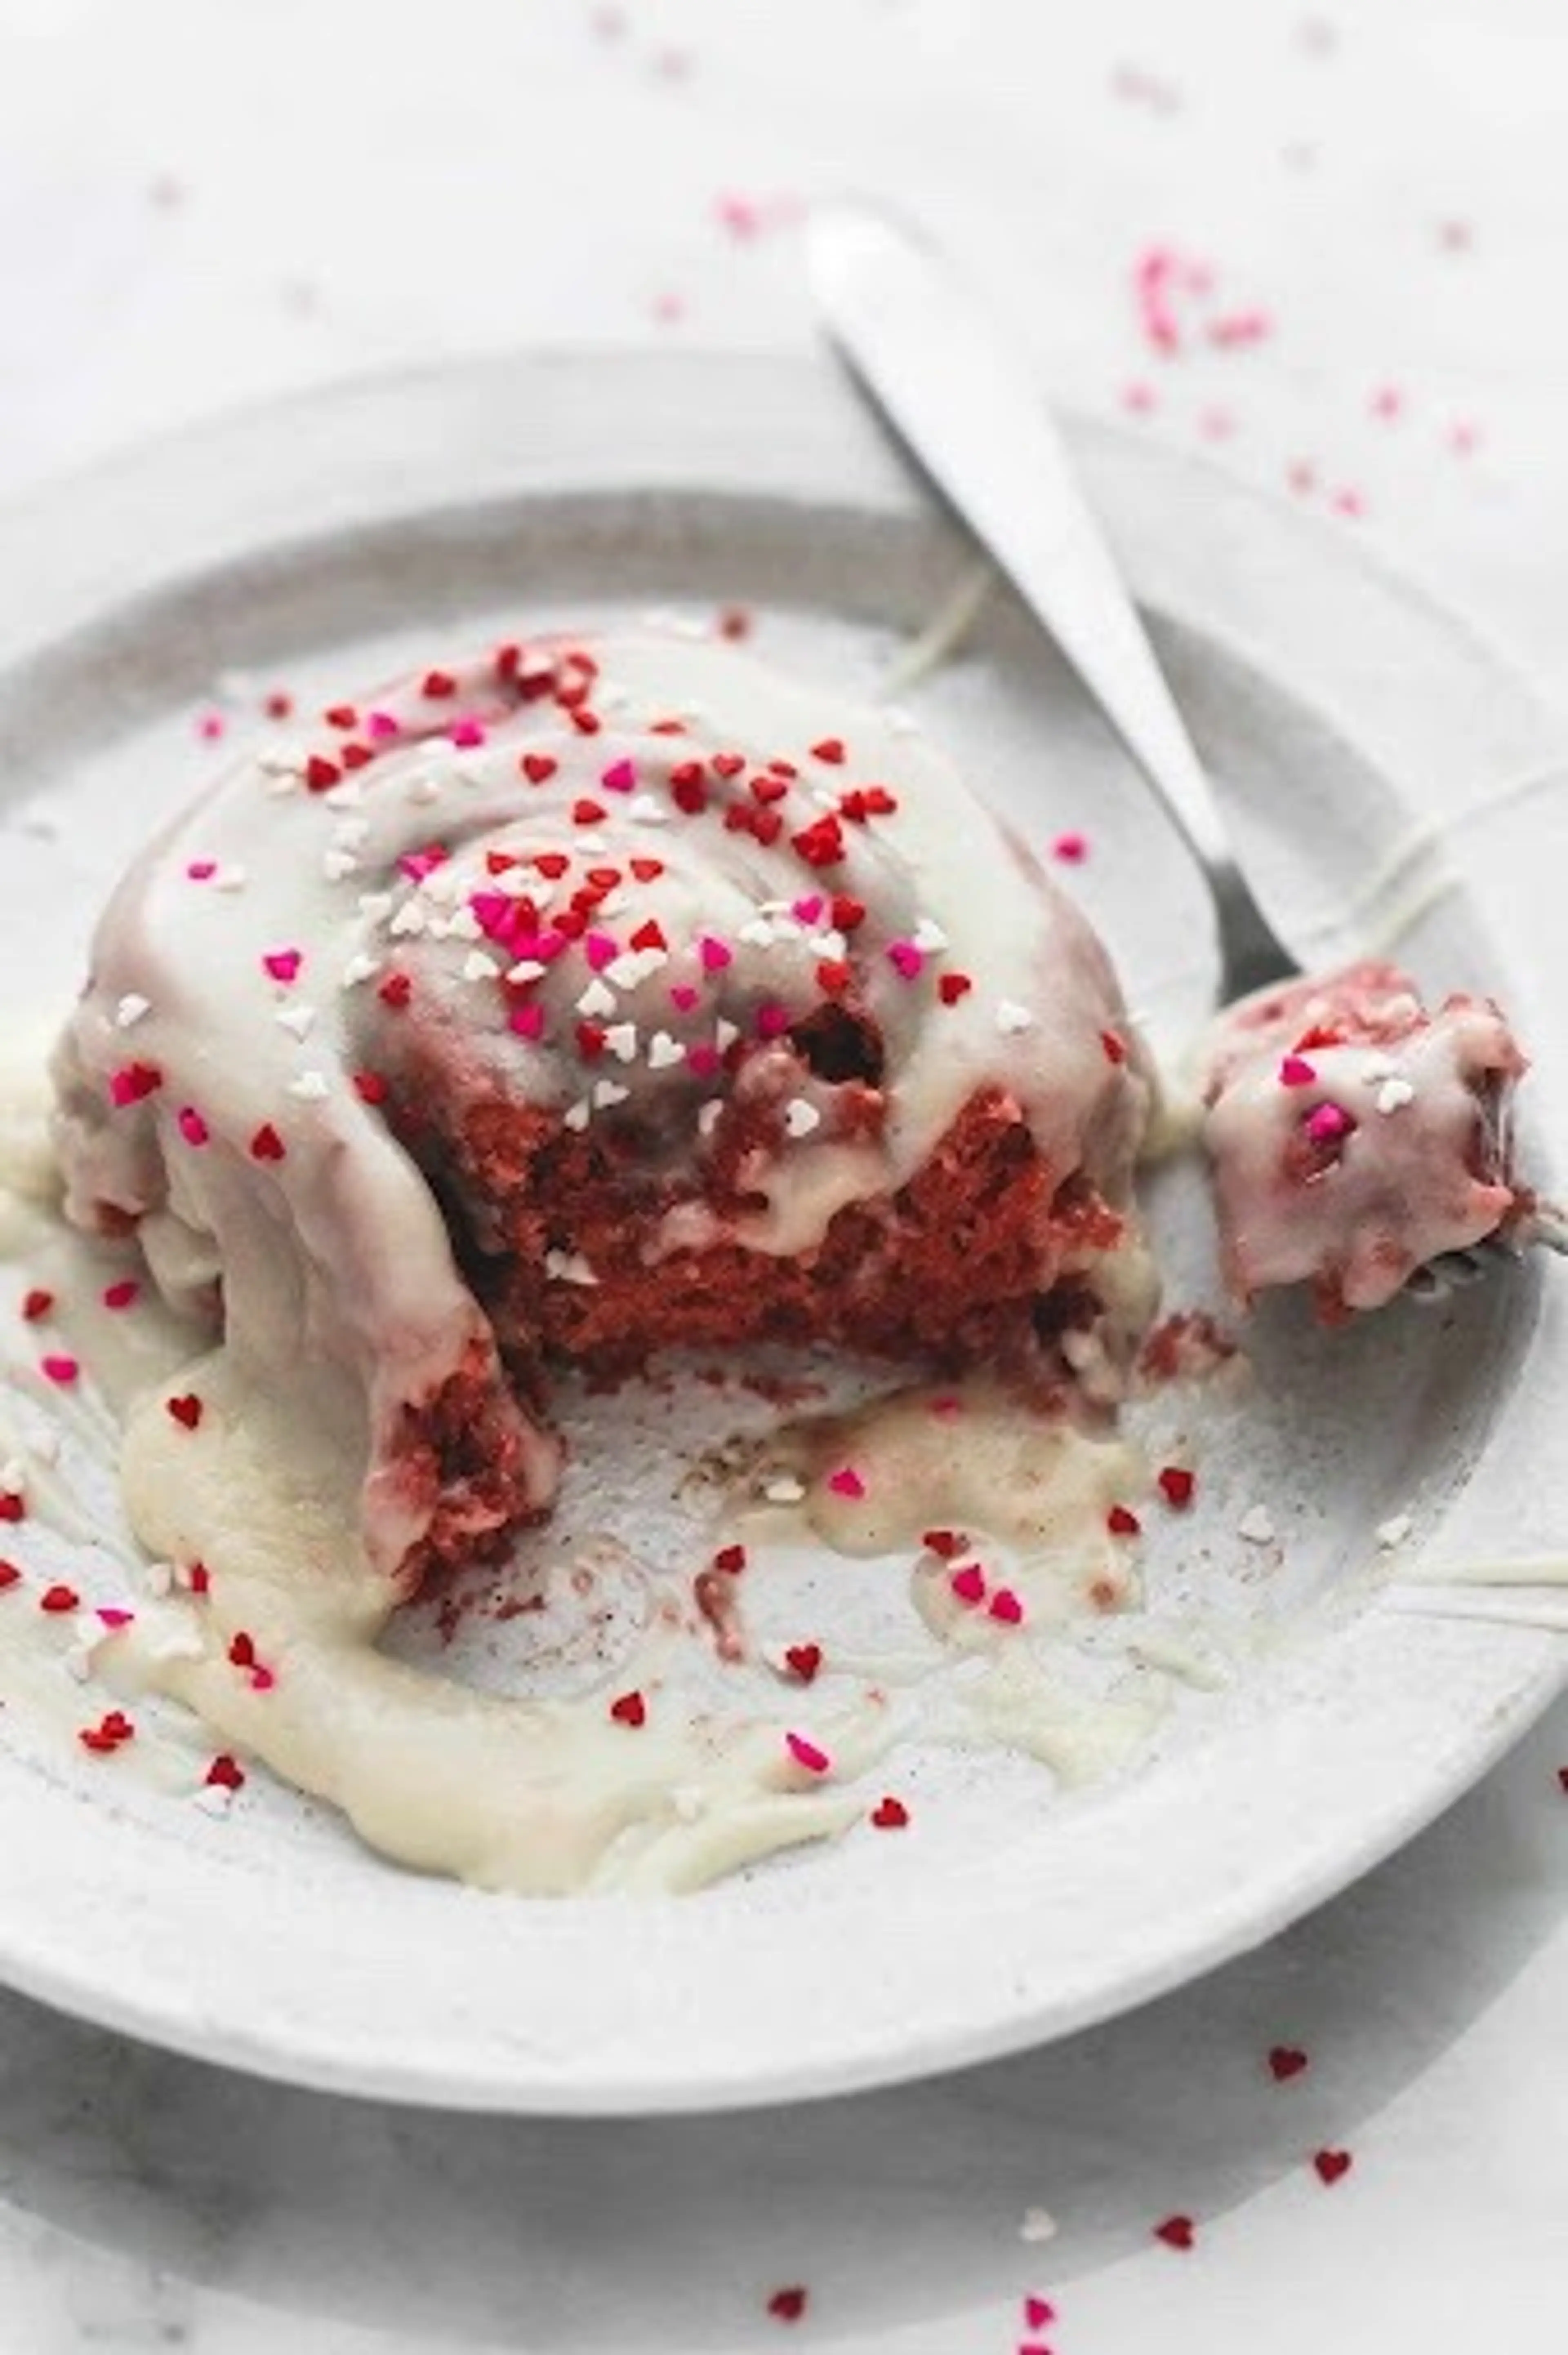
pixel 96 499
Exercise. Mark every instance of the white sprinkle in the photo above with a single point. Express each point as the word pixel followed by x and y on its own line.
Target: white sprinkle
pixel 310 1087
pixel 622 1041
pixel 375 905
pixel 1257 1526
pixel 350 833
pixel 78 1661
pixel 359 968
pixel 831 945
pixel 689 1802
pixel 14 1476
pixel 160 1578
pixel 597 999
pixel 1038 2224
pixel 284 768
pixel 784 1488
pixel 1393 1094
pixel 607 697
pixel 758 934
pixel 230 878
pixel 409 920
pixel 577 1116
pixel 569 1267
pixel 606 1093
pixel 422 790
pixel 615 905
pixel 462 924
pixel 725 1034
pixel 784 928
pixel 800 1117
pixel 663 1051
pixel 348 794
pixel 477 966
pixel 709 1116
pixel 338 864
pixel 1392 1533
pixel 1011 1017
pixel 297 1020
pixel 594 844
pixel 131 1009
pixel 928 935
pixel 213 1799
pixel 634 965
pixel 644 810
pixel 526 969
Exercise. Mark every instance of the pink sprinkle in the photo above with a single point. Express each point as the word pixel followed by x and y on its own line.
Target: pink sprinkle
pixel 706 1061
pixel 1137 399
pixel 1349 503
pixel 809 908
pixel 739 215
pixel 1295 1071
pixel 283 964
pixel 201 871
pixel 684 996
pixel 1240 328
pixel 600 950
pixel 113 1618
pixel 465 733
pixel 493 912
pixel 1006 1606
pixel 62 1371
pixel 1328 1123
pixel 968 1583
pixel 417 864
pixel 905 959
pixel 263 1681
pixel 806 1753
pixel 380 723
pixel 620 777
pixel 714 954
pixel 1038 2313
pixel 846 1482
pixel 526 1021
pixel 120 1294
pixel 209 727
pixel 772 1022
pixel 1071 848
pixel 191 1125
pixel 1387 402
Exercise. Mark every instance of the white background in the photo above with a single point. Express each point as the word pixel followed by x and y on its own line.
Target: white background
pixel 202 203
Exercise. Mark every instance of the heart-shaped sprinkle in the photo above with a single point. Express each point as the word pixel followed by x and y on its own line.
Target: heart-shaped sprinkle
pixel 890 1815
pixel 1176 1484
pixel 1176 2231
pixel 803 1660
pixel 1285 2061
pixel 727 764
pixel 186 1410
pixel 225 1773
pixel 266 1144
pixel 630 1709
pixel 56 1600
pixel 831 750
pixel 283 964
pixel 537 767
pixel 1331 2164
pixel 1038 2313
pixel 1122 1523
pixel 1295 1071
pixel 730 1559
pixel 968 1584
pixel 1005 1605
pixel 846 1482
pixel 786 2305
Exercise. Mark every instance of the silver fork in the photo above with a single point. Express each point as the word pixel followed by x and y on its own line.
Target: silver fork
pixel 966 405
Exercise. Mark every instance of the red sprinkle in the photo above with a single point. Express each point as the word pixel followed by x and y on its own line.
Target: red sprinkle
pixel 60 1370
pixel 55 1598
pixel 38 1304
pixel 438 685
pixel 803 1660
pixel 890 1815
pixel 1123 1523
pixel 12 1507
pixel 186 1410
pixel 278 706
pixel 120 1294
pixel 370 1087
pixel 266 1144
pixel 968 1584
pixel 726 764
pixel 1176 2231
pixel 537 767
pixel 787 2305
pixel 108 1734
pixel 1331 2164
pixel 9 1575
pixel 586 813
pixel 1176 1484
pixel 1285 2061
pixel 200 1578
pixel 225 1773
pixel 1115 1047
pixel 848 914
pixel 821 844
pixel 829 750
pixel 951 987
pixel 731 1558
pixel 948 1544
pixel 321 775
pixel 395 990
pixel 630 1709
pixel 341 715
pixel 242 1650
pixel 1005 1605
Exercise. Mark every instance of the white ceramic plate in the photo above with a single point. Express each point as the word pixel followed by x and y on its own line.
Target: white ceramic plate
pixel 300 543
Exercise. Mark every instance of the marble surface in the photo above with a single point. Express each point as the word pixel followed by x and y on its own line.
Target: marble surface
pixel 202 203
